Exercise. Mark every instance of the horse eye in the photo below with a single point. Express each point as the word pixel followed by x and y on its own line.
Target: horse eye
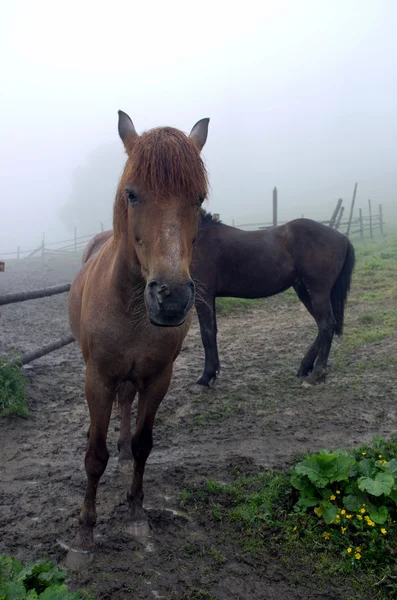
pixel 132 196
pixel 200 199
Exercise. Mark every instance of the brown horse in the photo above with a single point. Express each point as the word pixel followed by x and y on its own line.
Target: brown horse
pixel 129 305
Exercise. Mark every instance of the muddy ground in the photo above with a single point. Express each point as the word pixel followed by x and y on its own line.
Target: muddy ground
pixel 257 415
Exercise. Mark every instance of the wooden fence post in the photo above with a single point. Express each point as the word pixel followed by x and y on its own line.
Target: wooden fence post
pixel 335 213
pixel 101 227
pixel 381 219
pixel 42 247
pixel 337 224
pixel 361 224
pixel 275 207
pixel 351 210
pixel 18 253
pixel 75 239
pixel 370 218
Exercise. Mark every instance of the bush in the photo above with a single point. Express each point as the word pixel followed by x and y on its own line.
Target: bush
pixel 39 581
pixel 355 494
pixel 12 390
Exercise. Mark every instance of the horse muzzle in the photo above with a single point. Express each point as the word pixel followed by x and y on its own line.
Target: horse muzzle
pixel 168 304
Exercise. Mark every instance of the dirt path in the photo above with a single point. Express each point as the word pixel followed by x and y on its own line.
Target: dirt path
pixel 256 414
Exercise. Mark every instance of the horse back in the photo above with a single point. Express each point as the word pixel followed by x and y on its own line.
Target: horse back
pixel 95 244
pixel 319 251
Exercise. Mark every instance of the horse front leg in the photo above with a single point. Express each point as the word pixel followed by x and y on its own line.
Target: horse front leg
pixel 142 443
pixel 205 308
pixel 100 395
pixel 125 397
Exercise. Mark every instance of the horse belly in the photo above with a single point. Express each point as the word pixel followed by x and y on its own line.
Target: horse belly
pixel 256 275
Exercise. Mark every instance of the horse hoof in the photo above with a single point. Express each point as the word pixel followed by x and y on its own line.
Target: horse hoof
pixel 199 388
pixel 139 529
pixel 78 559
pixel 306 385
pixel 125 466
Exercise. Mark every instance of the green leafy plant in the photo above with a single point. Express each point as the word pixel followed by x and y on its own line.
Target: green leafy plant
pixel 39 581
pixel 12 390
pixel 355 493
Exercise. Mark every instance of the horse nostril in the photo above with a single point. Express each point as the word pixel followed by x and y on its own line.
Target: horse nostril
pixel 164 291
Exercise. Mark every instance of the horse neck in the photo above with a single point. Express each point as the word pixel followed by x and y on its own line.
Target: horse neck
pixel 127 276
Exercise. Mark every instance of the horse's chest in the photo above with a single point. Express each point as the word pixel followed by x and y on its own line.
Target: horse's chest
pixel 150 349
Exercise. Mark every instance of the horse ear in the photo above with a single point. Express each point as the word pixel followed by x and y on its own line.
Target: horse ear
pixel 127 130
pixel 199 133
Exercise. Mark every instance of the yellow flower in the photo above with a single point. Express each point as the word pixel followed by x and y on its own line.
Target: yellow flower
pixel 295 528
pixel 326 535
pixel 343 529
pixel 383 530
pixel 343 512
pixel 332 497
pixel 349 550
pixel 357 556
pixel 349 516
pixel 358 549
pixel 337 491
pixel 363 453
pixel 362 510
pixel 380 456
pixel 359 517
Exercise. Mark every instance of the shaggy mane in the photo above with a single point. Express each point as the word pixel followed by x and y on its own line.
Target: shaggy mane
pixel 164 162
pixel 206 218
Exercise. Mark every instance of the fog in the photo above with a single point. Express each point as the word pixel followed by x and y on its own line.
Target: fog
pixel 301 95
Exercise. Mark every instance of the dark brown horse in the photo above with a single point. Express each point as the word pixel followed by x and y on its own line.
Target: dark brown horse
pixel 129 307
pixel 314 259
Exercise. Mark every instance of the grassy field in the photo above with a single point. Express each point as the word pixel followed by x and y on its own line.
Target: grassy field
pixel 257 510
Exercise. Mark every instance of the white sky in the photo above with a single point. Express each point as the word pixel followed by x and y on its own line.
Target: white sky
pixel 301 94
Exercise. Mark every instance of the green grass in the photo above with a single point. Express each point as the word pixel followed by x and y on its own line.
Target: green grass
pixel 371 312
pixel 253 514
pixel 13 389
pixel 226 306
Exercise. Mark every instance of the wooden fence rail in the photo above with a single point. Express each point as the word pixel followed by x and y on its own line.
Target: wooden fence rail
pixel 353 225
pixel 33 294
pixel 31 355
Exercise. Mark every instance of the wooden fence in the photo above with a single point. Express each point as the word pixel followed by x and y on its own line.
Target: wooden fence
pixel 355 224
pixel 74 244
pixel 31 355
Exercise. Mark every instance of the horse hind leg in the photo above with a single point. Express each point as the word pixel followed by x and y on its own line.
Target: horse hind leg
pixel 309 359
pixel 325 320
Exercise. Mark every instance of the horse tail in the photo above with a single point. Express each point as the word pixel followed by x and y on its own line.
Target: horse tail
pixel 341 288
